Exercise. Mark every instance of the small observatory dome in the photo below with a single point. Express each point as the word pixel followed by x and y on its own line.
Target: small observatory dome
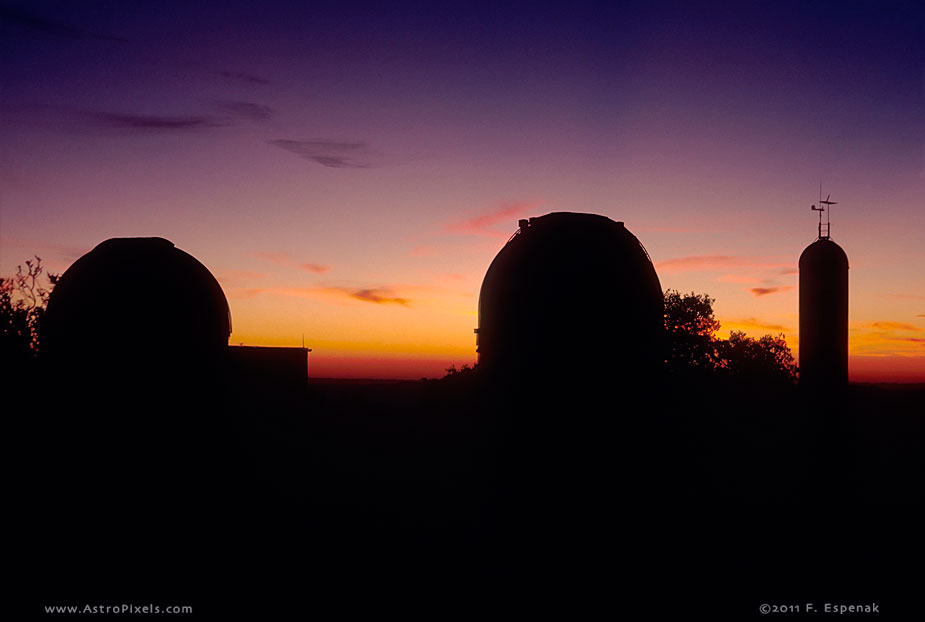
pixel 135 302
pixel 823 315
pixel 571 296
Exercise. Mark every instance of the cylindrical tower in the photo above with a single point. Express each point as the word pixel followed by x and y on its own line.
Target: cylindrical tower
pixel 823 315
pixel 571 297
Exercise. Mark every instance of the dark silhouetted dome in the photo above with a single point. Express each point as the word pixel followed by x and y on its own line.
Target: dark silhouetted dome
pixel 135 339
pixel 135 300
pixel 571 295
pixel 824 251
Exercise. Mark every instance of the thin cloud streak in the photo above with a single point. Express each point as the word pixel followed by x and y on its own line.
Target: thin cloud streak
pixel 244 77
pixel 244 293
pixel 764 291
pixel 245 110
pixel 51 27
pixel 905 296
pixel 735 278
pixel 751 322
pixel 892 326
pixel 873 338
pixel 285 260
pixel 482 225
pixel 231 112
pixel 328 153
pixel 235 274
pixel 424 251
pixel 157 123
pixel 281 259
pixel 36 246
pixel 674 230
pixel 375 295
pixel 382 295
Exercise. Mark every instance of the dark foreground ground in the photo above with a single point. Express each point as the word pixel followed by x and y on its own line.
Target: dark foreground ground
pixel 444 499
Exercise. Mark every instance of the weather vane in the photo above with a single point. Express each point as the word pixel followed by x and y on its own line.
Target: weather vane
pixel 827 225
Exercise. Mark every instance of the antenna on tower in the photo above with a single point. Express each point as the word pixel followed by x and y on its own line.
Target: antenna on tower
pixel 825 228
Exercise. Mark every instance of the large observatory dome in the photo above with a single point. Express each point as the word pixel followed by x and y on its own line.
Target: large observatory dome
pixel 136 297
pixel 571 295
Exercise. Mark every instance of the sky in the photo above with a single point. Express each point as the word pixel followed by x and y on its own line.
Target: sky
pixel 348 171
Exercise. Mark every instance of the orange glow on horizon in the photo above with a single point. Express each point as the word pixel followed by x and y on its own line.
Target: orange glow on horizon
pixel 884 351
pixel 386 368
pixel 421 343
pixel 374 360
pixel 886 369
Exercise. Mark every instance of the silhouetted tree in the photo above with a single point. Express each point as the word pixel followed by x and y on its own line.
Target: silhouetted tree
pixel 23 299
pixel 691 332
pixel 465 370
pixel 695 353
pixel 765 360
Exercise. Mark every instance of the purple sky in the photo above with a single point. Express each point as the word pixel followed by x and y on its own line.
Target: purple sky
pixel 348 172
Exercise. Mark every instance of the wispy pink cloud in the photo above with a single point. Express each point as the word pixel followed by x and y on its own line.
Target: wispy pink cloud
pixel 244 293
pixel 286 260
pixel 280 259
pixel 297 292
pixel 758 324
pixel 764 291
pixel 55 257
pixel 738 278
pixel 892 326
pixel 482 225
pixel 906 296
pixel 241 275
pixel 672 229
pixel 425 250
pixel 378 295
pixel 239 284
